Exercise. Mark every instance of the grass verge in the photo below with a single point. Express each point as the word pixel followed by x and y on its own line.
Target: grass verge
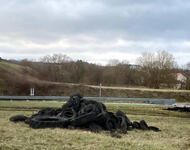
pixel 128 108
pixel 141 89
pixel 18 136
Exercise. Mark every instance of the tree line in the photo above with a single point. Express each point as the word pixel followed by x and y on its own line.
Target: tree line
pixel 154 70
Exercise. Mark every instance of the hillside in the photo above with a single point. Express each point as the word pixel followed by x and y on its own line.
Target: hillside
pixel 17 79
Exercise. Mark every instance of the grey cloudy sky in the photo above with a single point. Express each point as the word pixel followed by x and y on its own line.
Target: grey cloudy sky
pixel 94 30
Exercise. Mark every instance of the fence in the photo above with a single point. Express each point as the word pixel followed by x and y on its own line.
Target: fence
pixel 49 98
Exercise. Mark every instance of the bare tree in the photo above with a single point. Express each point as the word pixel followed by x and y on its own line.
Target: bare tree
pixel 56 58
pixel 188 65
pixel 157 68
pixel 113 62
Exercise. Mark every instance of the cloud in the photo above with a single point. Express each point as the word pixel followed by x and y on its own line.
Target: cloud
pixel 88 29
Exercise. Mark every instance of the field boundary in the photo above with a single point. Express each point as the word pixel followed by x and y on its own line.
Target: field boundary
pixel 162 101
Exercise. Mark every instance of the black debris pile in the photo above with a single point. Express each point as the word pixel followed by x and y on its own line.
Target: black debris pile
pixel 83 114
pixel 180 109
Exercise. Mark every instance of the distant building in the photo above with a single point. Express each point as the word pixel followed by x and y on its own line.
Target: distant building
pixel 181 80
pixel 180 77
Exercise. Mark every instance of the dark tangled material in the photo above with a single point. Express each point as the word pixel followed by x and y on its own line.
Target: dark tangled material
pixel 84 114
pixel 180 109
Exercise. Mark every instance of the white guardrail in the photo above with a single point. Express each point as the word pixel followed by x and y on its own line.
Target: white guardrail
pixel 49 98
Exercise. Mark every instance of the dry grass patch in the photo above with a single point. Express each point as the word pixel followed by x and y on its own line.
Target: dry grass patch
pixel 174 136
pixel 140 89
pixel 128 108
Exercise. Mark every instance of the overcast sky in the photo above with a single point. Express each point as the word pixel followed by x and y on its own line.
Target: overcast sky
pixel 94 30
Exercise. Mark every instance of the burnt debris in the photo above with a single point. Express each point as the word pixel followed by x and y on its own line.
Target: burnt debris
pixel 83 114
pixel 180 109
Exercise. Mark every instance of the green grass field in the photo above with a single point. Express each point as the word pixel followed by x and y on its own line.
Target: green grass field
pixel 175 132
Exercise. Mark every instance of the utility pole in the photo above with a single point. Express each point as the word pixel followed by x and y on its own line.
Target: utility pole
pixel 31 91
pixel 100 92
